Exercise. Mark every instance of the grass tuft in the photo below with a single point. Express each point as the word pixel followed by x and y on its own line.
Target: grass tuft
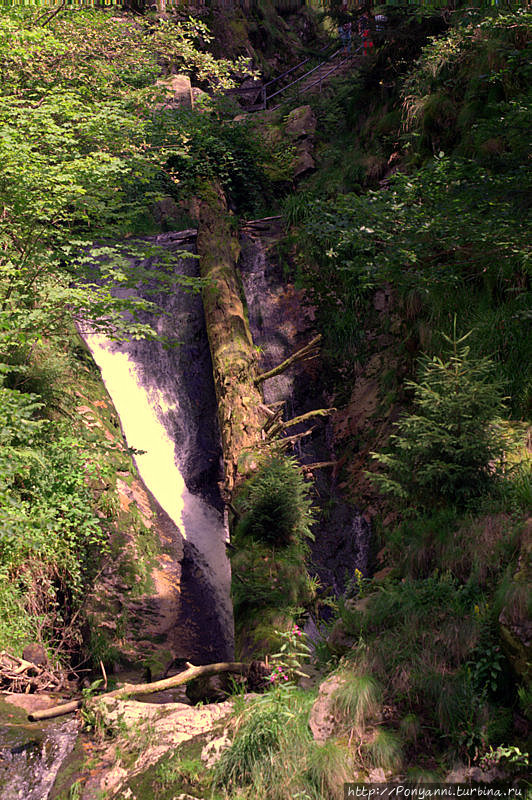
pixel 358 699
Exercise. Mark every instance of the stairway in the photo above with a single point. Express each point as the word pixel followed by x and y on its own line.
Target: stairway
pixel 315 78
pixel 327 70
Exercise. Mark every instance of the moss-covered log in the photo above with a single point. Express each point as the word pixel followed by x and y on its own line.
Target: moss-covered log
pixel 240 405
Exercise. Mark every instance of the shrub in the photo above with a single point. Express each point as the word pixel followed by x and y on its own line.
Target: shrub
pixel 276 504
pixel 445 451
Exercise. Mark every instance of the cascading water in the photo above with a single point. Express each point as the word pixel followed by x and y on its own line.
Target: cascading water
pixel 165 400
pixel 166 403
pixel 31 755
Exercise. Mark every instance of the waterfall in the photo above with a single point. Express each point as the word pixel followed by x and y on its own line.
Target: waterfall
pixel 165 400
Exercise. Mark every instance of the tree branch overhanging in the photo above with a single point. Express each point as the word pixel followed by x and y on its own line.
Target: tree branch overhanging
pixel 309 351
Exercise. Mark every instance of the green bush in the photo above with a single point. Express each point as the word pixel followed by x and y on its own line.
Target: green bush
pixel 276 504
pixel 446 450
pixel 50 536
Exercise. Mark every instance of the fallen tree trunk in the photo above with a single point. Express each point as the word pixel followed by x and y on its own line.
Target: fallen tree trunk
pixel 240 405
pixel 133 689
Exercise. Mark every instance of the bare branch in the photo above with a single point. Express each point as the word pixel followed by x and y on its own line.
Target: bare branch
pixel 130 689
pixel 52 15
pixel 306 352
pixel 319 412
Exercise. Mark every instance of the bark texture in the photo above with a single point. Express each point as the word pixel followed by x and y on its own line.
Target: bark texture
pixel 134 689
pixel 240 406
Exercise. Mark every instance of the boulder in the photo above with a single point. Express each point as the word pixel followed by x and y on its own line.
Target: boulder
pixel 301 122
pixel 339 641
pixel 213 750
pixel 463 774
pixel 199 97
pixel 303 160
pixel 321 720
pixel 35 653
pixel 210 688
pixel 178 89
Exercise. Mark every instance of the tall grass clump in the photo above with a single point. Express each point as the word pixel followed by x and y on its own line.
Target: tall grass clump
pixel 358 699
pixel 385 750
pixel 274 757
pixel 327 768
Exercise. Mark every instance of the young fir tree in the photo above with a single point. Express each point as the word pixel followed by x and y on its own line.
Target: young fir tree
pixel 447 450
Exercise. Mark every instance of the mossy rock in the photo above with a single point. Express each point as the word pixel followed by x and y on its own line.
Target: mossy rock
pixel 515 617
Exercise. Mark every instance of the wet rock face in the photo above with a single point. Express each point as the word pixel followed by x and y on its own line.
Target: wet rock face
pixel 281 322
pixel 165 399
pixel 31 753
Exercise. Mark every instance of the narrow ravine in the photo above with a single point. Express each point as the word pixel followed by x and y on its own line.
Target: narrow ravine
pixel 281 322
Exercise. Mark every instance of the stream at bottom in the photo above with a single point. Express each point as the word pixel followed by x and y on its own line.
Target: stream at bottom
pixel 31 753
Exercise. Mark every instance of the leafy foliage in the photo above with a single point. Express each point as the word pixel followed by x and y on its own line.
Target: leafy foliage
pixel 50 536
pixel 82 159
pixel 450 237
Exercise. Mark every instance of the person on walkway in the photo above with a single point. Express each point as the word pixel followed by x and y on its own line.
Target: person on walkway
pixel 364 30
pixel 381 21
pixel 344 32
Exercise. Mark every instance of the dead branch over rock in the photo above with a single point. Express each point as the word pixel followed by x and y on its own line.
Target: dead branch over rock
pixel 309 351
pixel 318 412
pixel 133 689
pixel 277 426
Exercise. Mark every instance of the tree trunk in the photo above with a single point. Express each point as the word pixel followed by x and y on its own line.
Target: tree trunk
pixel 132 689
pixel 240 406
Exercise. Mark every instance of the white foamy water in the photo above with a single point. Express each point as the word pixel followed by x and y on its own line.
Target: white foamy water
pixel 142 408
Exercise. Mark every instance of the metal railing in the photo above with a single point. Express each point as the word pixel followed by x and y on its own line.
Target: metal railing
pixel 301 77
pixel 261 90
pixel 301 63
pixel 320 80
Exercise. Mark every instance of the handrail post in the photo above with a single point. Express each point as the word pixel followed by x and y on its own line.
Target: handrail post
pixel 263 96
